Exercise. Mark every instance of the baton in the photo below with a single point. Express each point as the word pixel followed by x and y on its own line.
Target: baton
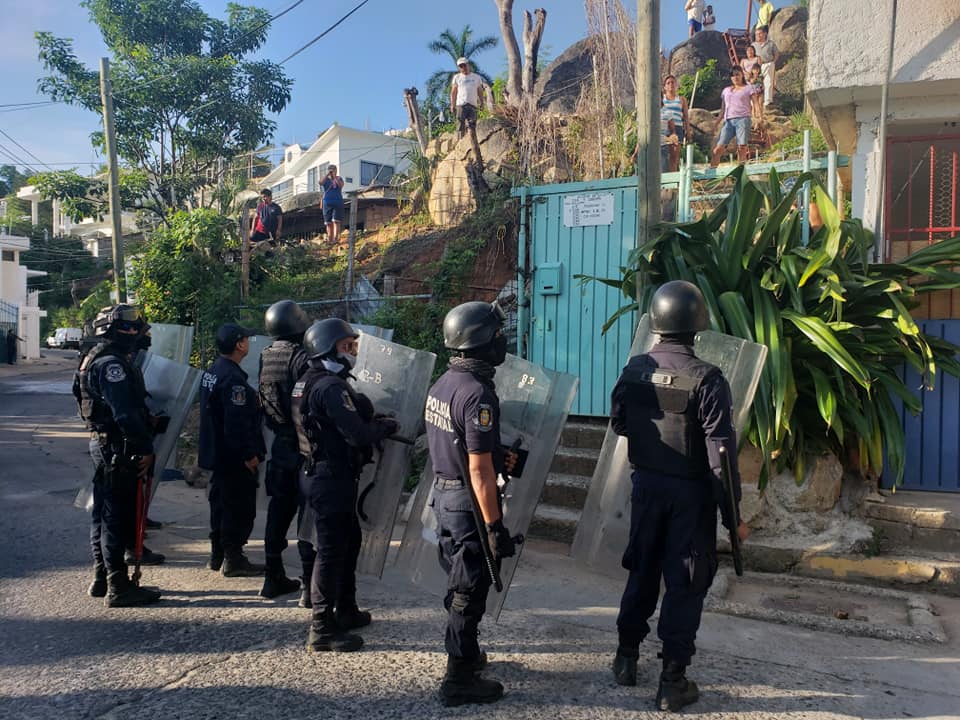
pixel 493 567
pixel 731 511
pixel 369 488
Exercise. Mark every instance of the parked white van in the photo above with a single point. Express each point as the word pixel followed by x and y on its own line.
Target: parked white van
pixel 65 338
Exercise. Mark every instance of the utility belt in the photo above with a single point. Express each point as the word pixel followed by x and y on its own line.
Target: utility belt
pixel 441 483
pixel 108 439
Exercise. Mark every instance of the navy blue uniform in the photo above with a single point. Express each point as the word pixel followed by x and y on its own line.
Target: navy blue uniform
pixel 675 411
pixel 340 432
pixel 462 417
pixel 112 400
pixel 281 365
pixel 230 435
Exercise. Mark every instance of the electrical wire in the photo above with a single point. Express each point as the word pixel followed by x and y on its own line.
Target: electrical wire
pixel 318 37
pixel 2 132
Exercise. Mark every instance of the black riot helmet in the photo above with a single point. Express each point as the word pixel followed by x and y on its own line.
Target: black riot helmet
pixel 286 319
pixel 124 318
pixel 678 308
pixel 472 325
pixel 320 340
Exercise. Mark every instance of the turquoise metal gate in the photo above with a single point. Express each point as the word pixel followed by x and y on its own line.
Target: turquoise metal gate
pixel 573 229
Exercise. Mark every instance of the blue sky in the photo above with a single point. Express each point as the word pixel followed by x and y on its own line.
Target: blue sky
pixel 354 76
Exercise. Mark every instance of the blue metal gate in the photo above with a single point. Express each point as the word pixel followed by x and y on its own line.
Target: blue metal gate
pixel 933 436
pixel 576 229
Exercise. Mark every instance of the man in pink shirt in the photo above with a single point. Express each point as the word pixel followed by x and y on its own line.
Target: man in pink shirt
pixel 735 111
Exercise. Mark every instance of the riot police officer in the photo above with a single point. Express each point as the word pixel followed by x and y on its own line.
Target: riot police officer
pixel 463 432
pixel 338 431
pixel 281 365
pixel 675 411
pixel 231 445
pixel 112 400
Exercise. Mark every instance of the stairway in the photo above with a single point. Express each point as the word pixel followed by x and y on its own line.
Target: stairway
pixel 567 484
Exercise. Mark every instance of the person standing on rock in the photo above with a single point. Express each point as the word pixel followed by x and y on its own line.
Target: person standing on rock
pixel 281 365
pixel 765 13
pixel 709 19
pixel 463 432
pixel 466 97
pixel 231 445
pixel 675 411
pixel 338 430
pixel 769 54
pixel 694 10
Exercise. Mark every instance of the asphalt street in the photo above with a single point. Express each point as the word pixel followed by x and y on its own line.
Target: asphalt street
pixel 213 649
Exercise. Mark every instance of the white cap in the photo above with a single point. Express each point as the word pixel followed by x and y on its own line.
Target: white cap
pixel 462 61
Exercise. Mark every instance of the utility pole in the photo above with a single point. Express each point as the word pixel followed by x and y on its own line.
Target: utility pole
pixel 879 223
pixel 106 95
pixel 244 253
pixel 351 247
pixel 648 123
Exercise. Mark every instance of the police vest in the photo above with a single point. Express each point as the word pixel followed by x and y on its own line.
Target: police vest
pixel 277 377
pixel 664 432
pixel 317 436
pixel 94 411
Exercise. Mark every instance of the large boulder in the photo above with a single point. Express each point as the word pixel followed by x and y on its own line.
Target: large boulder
pixel 451 197
pixel 788 30
pixel 691 55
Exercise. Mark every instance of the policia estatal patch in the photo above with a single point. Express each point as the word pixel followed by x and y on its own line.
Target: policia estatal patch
pixel 348 402
pixel 484 419
pixel 115 373
pixel 238 395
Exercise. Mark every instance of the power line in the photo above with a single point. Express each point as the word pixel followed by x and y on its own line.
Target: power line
pixel 2 132
pixel 16 158
pixel 297 52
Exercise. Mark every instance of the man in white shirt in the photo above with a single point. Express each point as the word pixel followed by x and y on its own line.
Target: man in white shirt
pixel 769 54
pixel 466 96
pixel 694 10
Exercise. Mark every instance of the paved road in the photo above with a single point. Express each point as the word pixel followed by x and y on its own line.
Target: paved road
pixel 213 649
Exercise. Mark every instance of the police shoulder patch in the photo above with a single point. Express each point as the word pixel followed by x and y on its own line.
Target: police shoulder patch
pixel 238 395
pixel 484 419
pixel 348 401
pixel 115 373
pixel 298 389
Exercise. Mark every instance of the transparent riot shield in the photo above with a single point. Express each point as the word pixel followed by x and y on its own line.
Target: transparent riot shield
pixel 604 526
pixel 174 342
pixel 534 403
pixel 382 333
pixel 395 378
pixel 172 387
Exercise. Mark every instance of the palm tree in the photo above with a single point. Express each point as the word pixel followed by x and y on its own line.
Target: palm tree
pixel 456 46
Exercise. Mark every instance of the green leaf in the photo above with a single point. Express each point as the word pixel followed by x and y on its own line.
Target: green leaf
pixel 824 339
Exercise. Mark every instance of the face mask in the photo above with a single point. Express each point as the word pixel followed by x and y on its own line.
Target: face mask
pixel 144 342
pixel 347 359
pixel 499 349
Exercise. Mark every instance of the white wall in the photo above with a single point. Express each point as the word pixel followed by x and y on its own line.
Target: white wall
pixel 848 42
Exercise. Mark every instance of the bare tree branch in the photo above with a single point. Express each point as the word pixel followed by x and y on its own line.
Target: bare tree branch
pixel 514 86
pixel 532 35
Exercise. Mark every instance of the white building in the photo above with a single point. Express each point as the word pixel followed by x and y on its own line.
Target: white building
pixel 363 159
pixel 846 68
pixel 13 291
pixel 95 233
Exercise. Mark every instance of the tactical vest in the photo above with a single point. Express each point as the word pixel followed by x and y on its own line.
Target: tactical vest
pixel 277 378
pixel 94 411
pixel 318 438
pixel 664 432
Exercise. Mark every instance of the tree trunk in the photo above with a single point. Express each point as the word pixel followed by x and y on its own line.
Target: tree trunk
pixel 514 87
pixel 413 112
pixel 532 35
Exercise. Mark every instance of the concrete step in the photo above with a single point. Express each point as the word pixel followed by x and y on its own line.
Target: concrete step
pixel 583 434
pixel 569 491
pixel 575 461
pixel 908 526
pixel 551 522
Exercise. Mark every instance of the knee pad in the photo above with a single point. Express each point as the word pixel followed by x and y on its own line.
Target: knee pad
pixel 460 602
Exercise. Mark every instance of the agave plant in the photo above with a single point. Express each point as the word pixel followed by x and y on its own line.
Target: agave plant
pixel 837 327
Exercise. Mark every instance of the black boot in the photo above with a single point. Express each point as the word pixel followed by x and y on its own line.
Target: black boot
pixel 305 600
pixel 480 662
pixel 98 588
pixel 236 564
pixel 123 593
pixel 216 555
pixel 147 557
pixel 276 582
pixel 675 690
pixel 327 636
pixel 350 617
pixel 625 666
pixel 463 685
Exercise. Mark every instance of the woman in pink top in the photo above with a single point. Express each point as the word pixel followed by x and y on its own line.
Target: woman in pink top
pixel 737 103
pixel 751 61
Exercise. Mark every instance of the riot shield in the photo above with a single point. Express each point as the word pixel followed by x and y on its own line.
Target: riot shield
pixel 376 331
pixel 251 363
pixel 172 387
pixel 395 378
pixel 604 526
pixel 534 403
pixel 174 342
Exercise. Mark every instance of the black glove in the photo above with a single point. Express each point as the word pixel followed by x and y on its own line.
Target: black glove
pixel 501 544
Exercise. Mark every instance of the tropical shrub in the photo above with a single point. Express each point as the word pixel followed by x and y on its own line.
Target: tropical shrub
pixel 837 326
